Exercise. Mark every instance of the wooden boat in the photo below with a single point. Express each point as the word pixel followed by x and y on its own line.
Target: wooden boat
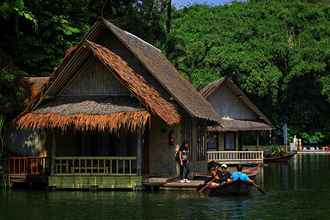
pixel 235 188
pixel 282 158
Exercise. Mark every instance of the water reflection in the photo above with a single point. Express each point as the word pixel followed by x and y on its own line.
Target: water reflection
pixel 295 190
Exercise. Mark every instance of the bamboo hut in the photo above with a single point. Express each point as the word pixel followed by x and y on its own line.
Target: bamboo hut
pixel 113 112
pixel 238 118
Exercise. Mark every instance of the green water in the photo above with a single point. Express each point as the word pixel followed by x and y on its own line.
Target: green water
pixel 296 190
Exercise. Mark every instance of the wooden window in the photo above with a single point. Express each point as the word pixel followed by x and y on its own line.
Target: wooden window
pixel 212 141
pixel 230 141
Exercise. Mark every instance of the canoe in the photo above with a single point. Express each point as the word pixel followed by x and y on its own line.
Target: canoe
pixel 237 188
pixel 283 158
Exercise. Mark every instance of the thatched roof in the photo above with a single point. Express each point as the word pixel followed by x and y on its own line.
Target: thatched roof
pixel 33 86
pixel 110 123
pixel 161 69
pixel 47 111
pixel 239 125
pixel 263 123
pixel 136 84
pixel 211 87
pixel 150 98
pixel 93 106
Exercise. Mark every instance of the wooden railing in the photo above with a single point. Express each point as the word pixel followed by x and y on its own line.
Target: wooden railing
pixel 263 147
pixel 236 156
pixel 29 165
pixel 95 166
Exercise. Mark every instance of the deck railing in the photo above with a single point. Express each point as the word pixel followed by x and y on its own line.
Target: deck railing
pixel 95 166
pixel 27 165
pixel 236 156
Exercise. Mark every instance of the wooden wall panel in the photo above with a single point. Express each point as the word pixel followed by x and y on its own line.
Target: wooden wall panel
pixel 227 104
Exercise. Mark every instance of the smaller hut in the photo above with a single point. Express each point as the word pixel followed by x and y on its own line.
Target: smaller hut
pixel 241 122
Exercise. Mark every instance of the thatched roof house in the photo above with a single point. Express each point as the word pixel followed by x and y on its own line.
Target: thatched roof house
pixel 236 112
pixel 140 67
pixel 114 89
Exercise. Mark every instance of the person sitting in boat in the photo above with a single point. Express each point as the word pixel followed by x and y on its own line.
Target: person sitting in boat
pixel 220 176
pixel 239 175
pixel 225 176
pixel 214 180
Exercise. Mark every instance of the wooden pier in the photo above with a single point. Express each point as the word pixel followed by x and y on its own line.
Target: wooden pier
pixel 155 184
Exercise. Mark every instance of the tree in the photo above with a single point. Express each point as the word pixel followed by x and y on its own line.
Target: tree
pixel 276 51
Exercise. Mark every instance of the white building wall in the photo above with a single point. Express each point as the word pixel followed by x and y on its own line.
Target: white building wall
pixel 227 104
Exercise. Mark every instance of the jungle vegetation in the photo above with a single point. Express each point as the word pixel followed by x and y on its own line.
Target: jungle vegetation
pixel 277 51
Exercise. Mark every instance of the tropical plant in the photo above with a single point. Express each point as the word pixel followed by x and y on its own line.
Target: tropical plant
pixel 278 150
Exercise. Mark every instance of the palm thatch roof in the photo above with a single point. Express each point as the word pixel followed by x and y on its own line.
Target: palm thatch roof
pixel 136 84
pixel 110 123
pixel 161 69
pixel 226 124
pixel 71 109
pixel 90 105
pixel 180 98
pixel 239 125
pixel 34 86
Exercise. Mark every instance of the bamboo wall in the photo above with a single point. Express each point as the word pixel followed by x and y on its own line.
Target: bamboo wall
pixel 94 80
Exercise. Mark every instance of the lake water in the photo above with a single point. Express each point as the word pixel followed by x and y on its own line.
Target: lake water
pixel 295 190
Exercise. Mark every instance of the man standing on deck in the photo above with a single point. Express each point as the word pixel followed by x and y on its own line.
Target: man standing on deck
pixel 184 162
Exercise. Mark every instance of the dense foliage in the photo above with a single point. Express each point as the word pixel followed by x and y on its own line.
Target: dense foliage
pixel 277 51
pixel 36 33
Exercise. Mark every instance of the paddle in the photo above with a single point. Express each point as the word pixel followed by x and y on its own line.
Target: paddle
pixel 202 187
pixel 259 189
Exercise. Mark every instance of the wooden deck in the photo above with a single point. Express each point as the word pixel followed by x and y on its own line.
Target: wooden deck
pixel 169 184
pixel 75 173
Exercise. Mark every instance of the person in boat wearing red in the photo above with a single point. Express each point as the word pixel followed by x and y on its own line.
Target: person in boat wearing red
pixel 184 162
pixel 220 176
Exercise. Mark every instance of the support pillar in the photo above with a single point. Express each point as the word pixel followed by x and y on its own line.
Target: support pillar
pixel 53 154
pixel 237 141
pixel 139 153
pixel 258 141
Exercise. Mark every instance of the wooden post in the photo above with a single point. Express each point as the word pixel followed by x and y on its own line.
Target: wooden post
pixel 53 154
pixel 139 155
pixel 257 140
pixel 237 140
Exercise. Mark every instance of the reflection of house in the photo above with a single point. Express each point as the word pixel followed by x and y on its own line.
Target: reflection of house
pixel 239 117
pixel 113 112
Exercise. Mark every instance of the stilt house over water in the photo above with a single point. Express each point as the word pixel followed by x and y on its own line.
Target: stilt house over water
pixel 240 121
pixel 112 114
